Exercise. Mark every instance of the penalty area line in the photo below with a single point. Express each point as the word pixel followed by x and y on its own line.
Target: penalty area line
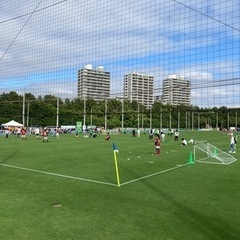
pixel 153 174
pixel 58 175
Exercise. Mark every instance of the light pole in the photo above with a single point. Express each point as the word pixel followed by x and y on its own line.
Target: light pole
pixel 28 113
pixel 84 112
pixel 23 110
pixel 198 121
pixel 228 121
pixel 122 114
pixel 192 121
pixel 106 114
pixel 138 116
pixel 57 121
pixel 160 118
pixel 170 119
pixel 150 118
pixel 91 118
pixel 186 116
pixel 178 120
pixel 236 117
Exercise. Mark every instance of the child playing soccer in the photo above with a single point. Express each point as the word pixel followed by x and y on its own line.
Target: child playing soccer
pixel 107 137
pixel 157 145
pixel 45 135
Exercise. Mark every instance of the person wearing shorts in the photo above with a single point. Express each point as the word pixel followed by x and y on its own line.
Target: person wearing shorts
pixel 157 145
pixel 37 131
pixel 23 133
pixel 45 135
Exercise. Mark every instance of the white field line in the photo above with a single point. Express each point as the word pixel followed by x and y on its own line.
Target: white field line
pixel 154 174
pixel 58 175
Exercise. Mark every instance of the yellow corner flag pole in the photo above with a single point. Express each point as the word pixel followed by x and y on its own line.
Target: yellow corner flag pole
pixel 115 151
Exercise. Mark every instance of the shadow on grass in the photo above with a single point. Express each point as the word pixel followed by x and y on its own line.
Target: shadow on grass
pixel 213 227
pixel 4 160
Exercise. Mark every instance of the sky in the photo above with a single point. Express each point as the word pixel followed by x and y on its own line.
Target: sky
pixel 44 43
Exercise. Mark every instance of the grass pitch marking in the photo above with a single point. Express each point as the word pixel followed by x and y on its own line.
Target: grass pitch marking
pixel 154 174
pixel 58 175
pixel 93 181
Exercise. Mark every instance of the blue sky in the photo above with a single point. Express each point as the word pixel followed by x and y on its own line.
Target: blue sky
pixel 41 53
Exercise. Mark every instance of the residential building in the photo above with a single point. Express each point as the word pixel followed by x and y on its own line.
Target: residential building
pixel 158 98
pixel 139 87
pixel 93 83
pixel 176 90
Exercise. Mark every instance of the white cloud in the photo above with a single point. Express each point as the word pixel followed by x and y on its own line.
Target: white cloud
pixel 156 37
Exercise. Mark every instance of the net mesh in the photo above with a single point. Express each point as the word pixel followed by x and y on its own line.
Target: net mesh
pixel 207 153
pixel 44 43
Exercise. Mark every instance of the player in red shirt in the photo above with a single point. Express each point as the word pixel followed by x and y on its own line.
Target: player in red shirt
pixel 24 133
pixel 157 143
pixel 45 135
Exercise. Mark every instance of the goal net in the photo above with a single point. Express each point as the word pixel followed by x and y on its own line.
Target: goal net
pixel 207 153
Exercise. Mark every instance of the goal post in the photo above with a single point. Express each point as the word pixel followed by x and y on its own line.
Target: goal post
pixel 207 153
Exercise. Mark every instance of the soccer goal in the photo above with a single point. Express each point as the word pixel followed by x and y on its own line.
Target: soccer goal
pixel 207 153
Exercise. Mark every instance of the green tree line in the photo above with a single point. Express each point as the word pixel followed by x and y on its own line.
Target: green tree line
pixel 44 111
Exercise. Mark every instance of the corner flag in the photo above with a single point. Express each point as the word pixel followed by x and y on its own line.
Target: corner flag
pixel 115 151
pixel 115 148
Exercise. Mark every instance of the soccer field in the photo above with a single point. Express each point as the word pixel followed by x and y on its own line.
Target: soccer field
pixel 67 189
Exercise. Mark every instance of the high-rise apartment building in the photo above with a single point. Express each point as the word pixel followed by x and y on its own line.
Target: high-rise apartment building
pixel 176 90
pixel 93 83
pixel 139 87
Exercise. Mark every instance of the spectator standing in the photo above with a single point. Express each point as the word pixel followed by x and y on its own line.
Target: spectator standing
pixel 7 132
pixel 18 132
pixel 150 134
pixel 138 132
pixel 76 133
pixel 162 136
pixel 134 133
pixel 232 143
pixel 176 135
pixel 37 131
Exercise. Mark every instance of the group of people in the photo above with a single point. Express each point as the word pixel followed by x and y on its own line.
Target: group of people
pixel 157 142
pixel 44 134
pixel 156 132
pixel 21 131
pixel 92 134
pixel 160 137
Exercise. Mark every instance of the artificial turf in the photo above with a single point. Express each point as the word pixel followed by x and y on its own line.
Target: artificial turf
pixel 67 189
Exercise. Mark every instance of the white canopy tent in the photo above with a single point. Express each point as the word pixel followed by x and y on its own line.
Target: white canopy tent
pixel 12 123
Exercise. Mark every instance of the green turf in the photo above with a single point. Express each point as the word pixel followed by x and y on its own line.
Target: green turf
pixel 199 201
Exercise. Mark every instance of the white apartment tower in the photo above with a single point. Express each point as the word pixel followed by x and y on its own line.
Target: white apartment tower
pixel 176 90
pixel 139 87
pixel 93 83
